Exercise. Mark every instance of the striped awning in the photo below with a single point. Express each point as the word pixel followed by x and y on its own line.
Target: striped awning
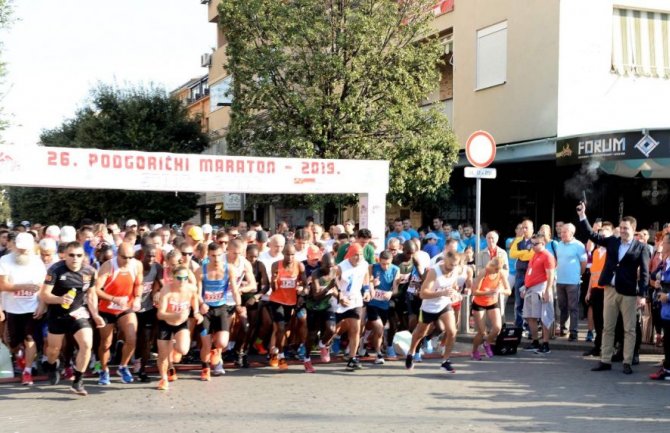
pixel 641 43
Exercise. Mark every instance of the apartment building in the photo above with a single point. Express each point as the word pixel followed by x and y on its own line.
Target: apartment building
pixel 574 93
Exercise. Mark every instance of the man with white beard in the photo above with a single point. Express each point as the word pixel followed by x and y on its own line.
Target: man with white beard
pixel 21 275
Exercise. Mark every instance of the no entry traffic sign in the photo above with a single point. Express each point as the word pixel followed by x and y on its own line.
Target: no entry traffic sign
pixel 480 149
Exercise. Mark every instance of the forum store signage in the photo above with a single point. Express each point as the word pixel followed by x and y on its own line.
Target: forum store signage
pixel 610 147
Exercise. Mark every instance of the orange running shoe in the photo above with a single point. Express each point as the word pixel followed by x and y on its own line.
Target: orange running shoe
pixel 283 365
pixel 172 374
pixel 258 345
pixel 274 362
pixel 163 385
pixel 204 375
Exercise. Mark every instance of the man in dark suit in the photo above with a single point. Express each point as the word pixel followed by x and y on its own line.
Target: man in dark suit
pixel 625 278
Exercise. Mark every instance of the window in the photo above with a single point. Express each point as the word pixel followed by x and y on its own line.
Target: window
pixel 221 93
pixel 641 43
pixel 491 56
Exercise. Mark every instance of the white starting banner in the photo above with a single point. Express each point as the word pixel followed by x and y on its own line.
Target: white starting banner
pixel 59 167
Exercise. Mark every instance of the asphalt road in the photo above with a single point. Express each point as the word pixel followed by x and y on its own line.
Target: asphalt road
pixel 523 393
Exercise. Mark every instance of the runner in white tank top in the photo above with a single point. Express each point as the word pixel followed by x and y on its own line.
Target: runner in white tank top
pixel 437 292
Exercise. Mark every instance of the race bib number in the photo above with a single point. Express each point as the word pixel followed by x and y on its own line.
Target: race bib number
pixel 147 287
pixel 24 294
pixel 411 289
pixel 213 296
pixel 80 313
pixel 177 307
pixel 287 283
pixel 115 306
pixel 380 295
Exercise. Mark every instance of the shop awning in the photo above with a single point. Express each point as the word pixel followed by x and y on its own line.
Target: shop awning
pixel 650 168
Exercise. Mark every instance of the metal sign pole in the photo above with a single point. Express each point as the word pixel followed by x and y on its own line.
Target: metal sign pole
pixel 478 221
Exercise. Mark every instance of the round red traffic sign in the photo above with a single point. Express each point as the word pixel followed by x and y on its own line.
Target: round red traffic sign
pixel 480 149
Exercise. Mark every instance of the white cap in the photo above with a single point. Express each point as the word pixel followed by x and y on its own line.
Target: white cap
pixel 48 244
pixel 156 226
pixel 53 232
pixel 24 241
pixel 68 234
pixel 25 223
pixel 131 222
pixel 207 228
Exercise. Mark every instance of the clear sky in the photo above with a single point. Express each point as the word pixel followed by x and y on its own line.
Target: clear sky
pixel 56 51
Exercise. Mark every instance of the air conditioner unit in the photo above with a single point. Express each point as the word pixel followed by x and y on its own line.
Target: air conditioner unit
pixel 206 60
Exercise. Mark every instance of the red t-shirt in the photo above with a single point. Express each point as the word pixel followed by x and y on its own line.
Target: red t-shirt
pixel 538 267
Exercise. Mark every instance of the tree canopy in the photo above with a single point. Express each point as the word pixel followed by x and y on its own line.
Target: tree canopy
pixel 145 119
pixel 340 79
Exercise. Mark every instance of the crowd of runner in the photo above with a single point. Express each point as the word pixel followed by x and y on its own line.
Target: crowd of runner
pixel 75 300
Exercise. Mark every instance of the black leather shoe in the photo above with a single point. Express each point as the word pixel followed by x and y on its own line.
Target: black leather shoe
pixel 627 369
pixel 617 357
pixel 636 359
pixel 602 367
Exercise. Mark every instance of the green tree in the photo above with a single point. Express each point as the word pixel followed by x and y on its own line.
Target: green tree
pixel 340 79
pixel 145 119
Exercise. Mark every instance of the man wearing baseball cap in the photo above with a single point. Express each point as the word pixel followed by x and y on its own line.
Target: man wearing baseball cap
pixel 21 275
pixel 207 230
pixel 194 236
pixel 431 245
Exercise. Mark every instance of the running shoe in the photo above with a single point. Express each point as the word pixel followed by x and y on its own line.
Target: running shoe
pixel 390 352
pixel 544 349
pixel 243 360
pixel 661 374
pixel 532 347
pixel 274 360
pixel 446 366
pixel 354 364
pixel 283 365
pixel 362 352
pixel 125 374
pixel 325 354
pixel 258 346
pixel 476 355
pixel 54 376
pixel 218 369
pixel 172 374
pixel 137 366
pixel 488 350
pixel 205 375
pixel 103 379
pixel 309 368
pixel 78 387
pixel 302 352
pixel 26 378
pixel 380 359
pixel 417 357
pixel 428 347
pixel 144 377
pixel 589 336
pixel 163 385
pixel 68 373
pixel 97 367
pixel 409 362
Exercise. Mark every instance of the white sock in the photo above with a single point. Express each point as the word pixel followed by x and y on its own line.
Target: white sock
pixel 308 359
pixel 27 369
pixel 321 345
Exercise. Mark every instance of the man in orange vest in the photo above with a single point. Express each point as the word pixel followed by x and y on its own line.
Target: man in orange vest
pixel 595 295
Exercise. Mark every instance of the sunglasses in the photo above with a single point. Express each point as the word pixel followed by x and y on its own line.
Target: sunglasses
pixel 127 257
pixel 76 255
pixel 181 278
pixel 187 254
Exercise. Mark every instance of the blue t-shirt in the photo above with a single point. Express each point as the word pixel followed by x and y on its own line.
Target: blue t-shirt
pixel 441 239
pixel 512 262
pixel 471 242
pixel 432 250
pixel 403 235
pixel 568 264
pixel 413 233
pixel 385 283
